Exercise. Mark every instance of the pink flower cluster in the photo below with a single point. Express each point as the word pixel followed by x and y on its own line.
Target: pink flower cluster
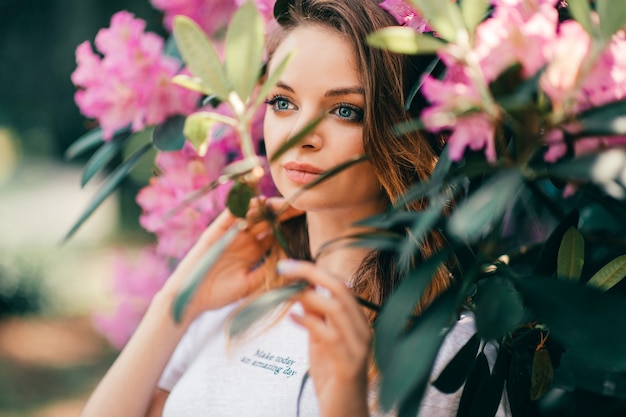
pixel 210 15
pixel 130 84
pixel 135 285
pixel 528 33
pixel 168 209
pixel 405 14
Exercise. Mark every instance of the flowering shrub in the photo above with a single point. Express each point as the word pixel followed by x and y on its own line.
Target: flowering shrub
pixel 528 192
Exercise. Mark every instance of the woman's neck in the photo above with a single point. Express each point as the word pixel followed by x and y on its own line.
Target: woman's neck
pixel 328 230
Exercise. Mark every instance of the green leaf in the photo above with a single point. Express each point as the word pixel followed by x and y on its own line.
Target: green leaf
pixel 244 49
pixel 273 78
pixel 404 40
pixel 86 142
pixel 571 257
pixel 261 306
pixel 457 370
pixel 610 275
pixel 580 10
pixel 203 266
pixel 547 263
pixel 612 17
pixel 423 223
pixel 477 215
pixel 103 156
pixel 291 142
pixel 542 374
pixel 168 136
pixel 444 16
pixel 401 305
pixel 419 83
pixel 109 186
pixel 478 376
pixel 412 357
pixel 598 167
pixel 170 49
pixel 499 308
pixel 192 83
pixel 239 198
pixel 242 167
pixel 200 56
pixel 606 120
pixel 474 12
pixel 586 321
pixel 487 399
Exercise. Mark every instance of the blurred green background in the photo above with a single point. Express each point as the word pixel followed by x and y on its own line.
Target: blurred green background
pixel 50 356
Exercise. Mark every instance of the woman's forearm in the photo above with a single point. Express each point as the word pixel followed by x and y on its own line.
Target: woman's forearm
pixel 129 386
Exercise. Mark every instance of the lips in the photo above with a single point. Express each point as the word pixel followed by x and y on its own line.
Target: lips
pixel 301 173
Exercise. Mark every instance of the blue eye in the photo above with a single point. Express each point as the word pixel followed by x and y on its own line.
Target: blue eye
pixel 280 103
pixel 349 112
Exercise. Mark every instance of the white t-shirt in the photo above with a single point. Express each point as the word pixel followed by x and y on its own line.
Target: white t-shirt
pixel 208 375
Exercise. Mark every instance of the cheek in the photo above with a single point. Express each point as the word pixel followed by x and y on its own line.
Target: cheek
pixel 274 133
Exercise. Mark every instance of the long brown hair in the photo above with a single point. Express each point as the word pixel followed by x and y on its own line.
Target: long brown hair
pixel 398 160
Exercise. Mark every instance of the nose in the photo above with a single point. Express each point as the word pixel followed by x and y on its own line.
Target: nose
pixel 311 126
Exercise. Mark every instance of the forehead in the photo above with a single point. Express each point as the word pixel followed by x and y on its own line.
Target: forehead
pixel 320 53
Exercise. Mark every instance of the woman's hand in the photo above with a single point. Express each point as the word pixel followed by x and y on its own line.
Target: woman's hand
pixel 239 269
pixel 339 337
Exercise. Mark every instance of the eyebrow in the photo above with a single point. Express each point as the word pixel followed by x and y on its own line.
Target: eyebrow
pixel 330 93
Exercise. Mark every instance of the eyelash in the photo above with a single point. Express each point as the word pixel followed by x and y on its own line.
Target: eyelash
pixel 271 101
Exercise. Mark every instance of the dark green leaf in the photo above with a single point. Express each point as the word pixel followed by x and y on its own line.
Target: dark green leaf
pixel 388 220
pixel 477 215
pixel 404 40
pixel 518 383
pixel 244 49
pixel 457 370
pixel 424 222
pixel 379 240
pixel 489 395
pixel 201 269
pixel 107 188
pixel 305 379
pixel 239 198
pixel 261 306
pixel 571 257
pixel 546 265
pixel 542 374
pixel 499 308
pixel 477 377
pixel 586 321
pixel 103 156
pixel 291 142
pixel 605 120
pixel 86 142
pixel 392 321
pixel 610 275
pixel 419 83
pixel 413 356
pixel 524 93
pixel 599 167
pixel 168 136
pixel 407 127
pixel 580 10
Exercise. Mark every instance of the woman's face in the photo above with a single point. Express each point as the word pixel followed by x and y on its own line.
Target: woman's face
pixel 322 78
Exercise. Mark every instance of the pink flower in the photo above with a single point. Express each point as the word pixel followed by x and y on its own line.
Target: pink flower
pixel 167 209
pixel 265 7
pixel 130 84
pixel 405 14
pixel 210 15
pixel 134 287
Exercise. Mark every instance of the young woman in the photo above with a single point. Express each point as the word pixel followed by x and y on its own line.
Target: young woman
pixel 191 369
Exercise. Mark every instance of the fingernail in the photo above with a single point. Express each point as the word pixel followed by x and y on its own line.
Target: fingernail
pixel 285 266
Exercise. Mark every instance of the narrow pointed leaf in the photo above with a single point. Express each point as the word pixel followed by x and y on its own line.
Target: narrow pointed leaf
pixel 424 222
pixel 109 186
pixel 610 275
pixel 200 55
pixel 86 142
pixel 606 120
pixel 598 167
pixel 487 398
pixel 474 12
pixel 478 214
pixel 444 16
pixel 419 83
pixel 244 49
pixel 612 16
pixel 571 257
pixel 547 262
pixel 478 376
pixel 499 308
pixel 261 306
pixel 242 167
pixel 413 356
pixel 542 374
pixel 580 10
pixel 273 79
pixel 168 136
pixel 379 240
pixel 404 40
pixel 291 142
pixel 305 379
pixel 334 171
pixel 102 157
pixel 457 370
pixel 239 198
pixel 586 321
pixel 198 274
pixel 192 83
